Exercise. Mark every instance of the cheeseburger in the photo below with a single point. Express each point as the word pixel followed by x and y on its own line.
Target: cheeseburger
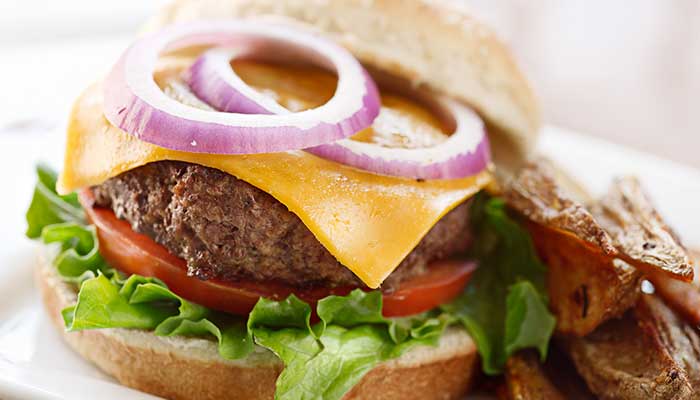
pixel 330 199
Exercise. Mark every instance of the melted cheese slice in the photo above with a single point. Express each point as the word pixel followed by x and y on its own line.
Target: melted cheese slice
pixel 368 222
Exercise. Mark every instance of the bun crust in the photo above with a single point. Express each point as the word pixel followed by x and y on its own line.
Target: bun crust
pixel 429 42
pixel 189 368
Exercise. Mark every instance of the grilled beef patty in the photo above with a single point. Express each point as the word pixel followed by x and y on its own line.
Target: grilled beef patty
pixel 228 229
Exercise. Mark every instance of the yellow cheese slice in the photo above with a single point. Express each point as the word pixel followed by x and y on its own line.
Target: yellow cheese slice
pixel 368 222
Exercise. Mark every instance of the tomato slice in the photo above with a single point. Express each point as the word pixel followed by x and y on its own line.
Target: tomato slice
pixel 135 253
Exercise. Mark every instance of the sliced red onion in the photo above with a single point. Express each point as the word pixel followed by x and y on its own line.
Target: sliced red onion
pixel 464 153
pixel 214 82
pixel 134 102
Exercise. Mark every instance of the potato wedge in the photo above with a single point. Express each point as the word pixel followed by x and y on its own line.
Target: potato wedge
pixel 639 233
pixel 537 195
pixel 528 379
pixel 684 297
pixel 586 285
pixel 649 353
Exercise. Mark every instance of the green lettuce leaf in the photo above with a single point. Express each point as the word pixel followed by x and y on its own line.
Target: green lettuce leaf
pixel 100 305
pixel 332 367
pixel 528 321
pixel 78 258
pixel 327 359
pixel 47 207
pixel 147 303
pixel 504 306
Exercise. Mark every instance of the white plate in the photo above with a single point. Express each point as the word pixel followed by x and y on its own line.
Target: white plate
pixel 35 364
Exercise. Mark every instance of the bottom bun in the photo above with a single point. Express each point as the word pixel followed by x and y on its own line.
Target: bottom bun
pixel 191 368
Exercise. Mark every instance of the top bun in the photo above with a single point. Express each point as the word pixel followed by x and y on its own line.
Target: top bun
pixel 430 43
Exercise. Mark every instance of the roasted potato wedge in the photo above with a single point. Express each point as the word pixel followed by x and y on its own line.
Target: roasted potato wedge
pixel 527 379
pixel 596 258
pixel 537 195
pixel 639 233
pixel 649 353
pixel 586 285
pixel 684 297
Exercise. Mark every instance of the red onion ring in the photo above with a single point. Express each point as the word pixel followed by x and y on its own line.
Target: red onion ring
pixel 465 153
pixel 134 102
pixel 213 81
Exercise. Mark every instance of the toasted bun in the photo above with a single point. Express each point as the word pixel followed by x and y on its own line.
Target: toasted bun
pixel 431 43
pixel 188 368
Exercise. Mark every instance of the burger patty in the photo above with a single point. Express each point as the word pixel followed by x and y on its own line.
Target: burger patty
pixel 227 229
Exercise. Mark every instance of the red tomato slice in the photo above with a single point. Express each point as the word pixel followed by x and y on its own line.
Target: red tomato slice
pixel 135 253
